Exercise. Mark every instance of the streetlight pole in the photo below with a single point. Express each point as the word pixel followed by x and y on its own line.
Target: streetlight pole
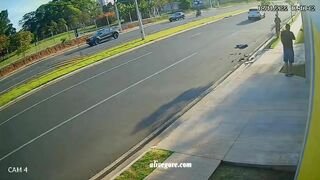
pixel 118 16
pixel 143 35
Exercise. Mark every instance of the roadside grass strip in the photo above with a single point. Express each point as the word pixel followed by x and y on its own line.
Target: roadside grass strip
pixel 64 70
pixel 141 168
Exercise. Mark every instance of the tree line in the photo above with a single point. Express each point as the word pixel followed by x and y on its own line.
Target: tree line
pixel 58 16
pixel 10 39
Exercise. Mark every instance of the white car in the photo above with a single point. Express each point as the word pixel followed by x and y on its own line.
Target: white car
pixel 255 14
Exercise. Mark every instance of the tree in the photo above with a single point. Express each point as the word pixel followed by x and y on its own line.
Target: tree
pixel 123 10
pixel 159 4
pixel 53 27
pixel 22 41
pixel 74 12
pixel 4 44
pixel 185 4
pixel 5 26
pixel 107 8
pixel 144 8
pixel 73 16
pixel 62 25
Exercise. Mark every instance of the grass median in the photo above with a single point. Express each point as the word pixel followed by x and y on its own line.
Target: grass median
pixel 141 168
pixel 64 70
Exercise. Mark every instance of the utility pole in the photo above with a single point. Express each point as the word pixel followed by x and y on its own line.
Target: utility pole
pixel 118 16
pixel 143 35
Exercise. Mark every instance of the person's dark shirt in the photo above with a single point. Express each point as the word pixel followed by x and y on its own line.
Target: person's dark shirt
pixel 287 38
pixel 277 21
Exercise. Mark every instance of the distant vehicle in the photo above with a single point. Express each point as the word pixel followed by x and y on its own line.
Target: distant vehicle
pixel 176 16
pixel 254 14
pixel 101 35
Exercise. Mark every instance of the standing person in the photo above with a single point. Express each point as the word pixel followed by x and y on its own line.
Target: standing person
pixel 277 21
pixel 287 38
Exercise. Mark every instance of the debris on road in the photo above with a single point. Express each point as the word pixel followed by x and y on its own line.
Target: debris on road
pixel 241 46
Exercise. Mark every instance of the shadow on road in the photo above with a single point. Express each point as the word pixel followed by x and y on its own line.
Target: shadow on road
pixel 167 111
pixel 245 22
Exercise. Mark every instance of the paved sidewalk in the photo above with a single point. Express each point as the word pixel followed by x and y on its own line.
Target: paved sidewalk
pixel 256 116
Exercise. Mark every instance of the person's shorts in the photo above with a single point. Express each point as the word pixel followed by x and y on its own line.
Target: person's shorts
pixel 288 55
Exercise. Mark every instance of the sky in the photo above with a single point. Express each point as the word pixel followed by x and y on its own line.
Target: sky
pixel 18 8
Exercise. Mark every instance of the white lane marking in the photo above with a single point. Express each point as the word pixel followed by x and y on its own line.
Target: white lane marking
pixel 93 106
pixel 81 82
pixel 194 35
pixel 20 82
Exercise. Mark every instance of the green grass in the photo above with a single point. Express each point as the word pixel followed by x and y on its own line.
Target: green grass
pixel 49 42
pixel 141 169
pixel 231 172
pixel 24 88
pixel 274 43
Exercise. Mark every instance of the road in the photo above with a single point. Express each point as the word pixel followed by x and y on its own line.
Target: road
pixel 50 64
pixel 77 126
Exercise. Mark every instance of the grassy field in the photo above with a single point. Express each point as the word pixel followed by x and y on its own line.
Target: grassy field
pixel 28 86
pixel 141 169
pixel 231 172
pixel 49 42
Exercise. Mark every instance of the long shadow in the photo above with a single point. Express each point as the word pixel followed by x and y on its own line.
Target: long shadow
pixel 167 111
pixel 245 22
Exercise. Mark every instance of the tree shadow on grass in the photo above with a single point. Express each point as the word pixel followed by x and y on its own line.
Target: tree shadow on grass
pixel 167 111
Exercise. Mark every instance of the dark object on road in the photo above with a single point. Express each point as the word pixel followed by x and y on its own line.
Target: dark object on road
pixel 255 14
pixel 241 46
pixel 101 35
pixel 198 13
pixel 176 16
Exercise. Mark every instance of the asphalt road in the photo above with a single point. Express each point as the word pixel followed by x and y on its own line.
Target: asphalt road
pixel 77 126
pixel 50 64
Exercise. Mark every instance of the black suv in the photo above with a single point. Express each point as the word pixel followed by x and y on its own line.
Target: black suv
pixel 176 16
pixel 101 35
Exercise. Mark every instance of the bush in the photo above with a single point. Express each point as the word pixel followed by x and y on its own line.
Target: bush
pixel 185 4
pixel 63 40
